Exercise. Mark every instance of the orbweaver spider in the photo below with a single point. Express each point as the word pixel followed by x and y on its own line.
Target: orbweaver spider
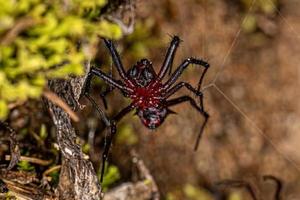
pixel 148 93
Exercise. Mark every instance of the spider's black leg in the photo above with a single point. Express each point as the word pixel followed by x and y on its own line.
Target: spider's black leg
pixel 278 185
pixel 85 92
pixel 108 123
pixel 182 99
pixel 114 83
pixel 103 116
pixel 87 86
pixel 201 78
pixel 105 119
pixel 116 59
pixel 113 130
pixel 103 95
pixel 179 85
pixel 106 92
pixel 182 67
pixel 168 62
pixel 240 184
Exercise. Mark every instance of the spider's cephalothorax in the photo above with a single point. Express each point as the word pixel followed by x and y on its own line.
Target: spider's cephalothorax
pixel 146 96
pixel 142 73
pixel 147 90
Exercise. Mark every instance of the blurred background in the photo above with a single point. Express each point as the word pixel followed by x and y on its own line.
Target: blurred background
pixel 250 92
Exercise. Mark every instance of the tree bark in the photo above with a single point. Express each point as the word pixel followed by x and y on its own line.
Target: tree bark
pixel 78 179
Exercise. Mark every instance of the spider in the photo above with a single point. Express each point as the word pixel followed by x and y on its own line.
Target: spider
pixel 148 93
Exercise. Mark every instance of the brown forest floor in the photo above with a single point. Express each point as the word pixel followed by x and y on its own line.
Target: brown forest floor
pixel 259 73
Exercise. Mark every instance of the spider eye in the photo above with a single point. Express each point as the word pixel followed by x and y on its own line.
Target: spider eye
pixel 133 72
pixel 144 61
pixel 147 74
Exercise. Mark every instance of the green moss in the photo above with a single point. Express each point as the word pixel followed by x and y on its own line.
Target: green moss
pixel 54 177
pixel 249 24
pixel 267 7
pixel 111 175
pixel 195 193
pixel 170 196
pixel 3 109
pixel 143 38
pixel 86 148
pixel 235 196
pixel 25 166
pixel 47 42
pixel 126 135
pixel 43 132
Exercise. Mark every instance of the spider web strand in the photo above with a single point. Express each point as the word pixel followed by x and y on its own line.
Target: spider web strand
pixel 233 42
pixel 253 124
pixel 285 20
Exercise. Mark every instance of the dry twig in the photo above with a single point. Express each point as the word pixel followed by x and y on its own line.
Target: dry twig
pixel 59 102
pixel 31 160
pixel 14 147
pixel 18 27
